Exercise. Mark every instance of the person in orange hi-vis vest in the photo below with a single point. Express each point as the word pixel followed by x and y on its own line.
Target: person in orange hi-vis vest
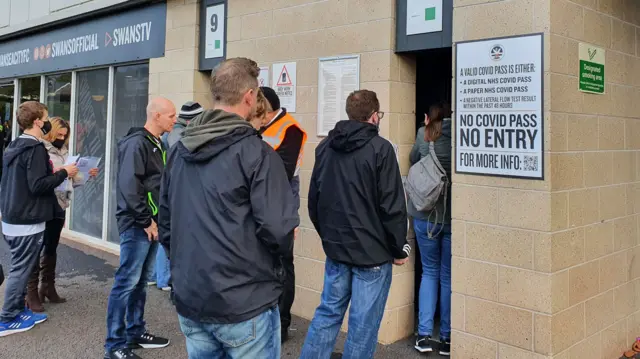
pixel 287 137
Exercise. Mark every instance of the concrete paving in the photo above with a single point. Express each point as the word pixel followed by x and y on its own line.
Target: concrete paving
pixel 76 329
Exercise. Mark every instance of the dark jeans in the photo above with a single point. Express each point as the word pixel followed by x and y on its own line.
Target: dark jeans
pixel 288 290
pixel 128 295
pixel 25 251
pixel 52 234
pixel 256 338
pixel 367 289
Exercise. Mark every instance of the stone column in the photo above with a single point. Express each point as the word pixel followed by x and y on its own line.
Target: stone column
pixel 175 75
pixel 549 269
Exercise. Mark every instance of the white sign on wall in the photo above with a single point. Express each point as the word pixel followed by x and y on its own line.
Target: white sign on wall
pixel 263 78
pixel 284 83
pixel 214 38
pixel 499 114
pixel 424 16
pixel 337 78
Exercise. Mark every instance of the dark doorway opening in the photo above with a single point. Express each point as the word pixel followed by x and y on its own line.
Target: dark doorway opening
pixel 433 85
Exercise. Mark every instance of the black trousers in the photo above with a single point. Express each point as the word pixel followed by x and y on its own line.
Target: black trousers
pixel 52 233
pixel 288 292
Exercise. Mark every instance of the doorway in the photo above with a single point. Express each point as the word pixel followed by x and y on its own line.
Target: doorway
pixel 433 85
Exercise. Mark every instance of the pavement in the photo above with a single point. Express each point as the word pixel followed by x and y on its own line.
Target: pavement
pixel 76 329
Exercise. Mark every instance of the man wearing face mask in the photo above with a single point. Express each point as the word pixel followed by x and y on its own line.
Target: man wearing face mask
pixel 357 205
pixel 27 202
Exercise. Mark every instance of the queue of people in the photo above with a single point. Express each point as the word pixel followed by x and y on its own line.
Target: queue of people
pixel 203 192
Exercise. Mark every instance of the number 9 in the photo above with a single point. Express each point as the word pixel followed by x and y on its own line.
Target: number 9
pixel 214 23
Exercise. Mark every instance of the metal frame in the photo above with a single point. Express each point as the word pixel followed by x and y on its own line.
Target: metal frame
pixel 107 156
pixel 205 64
pixel 72 134
pixel 16 102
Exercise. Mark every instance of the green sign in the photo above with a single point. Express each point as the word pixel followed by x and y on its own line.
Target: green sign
pixel 430 14
pixel 591 68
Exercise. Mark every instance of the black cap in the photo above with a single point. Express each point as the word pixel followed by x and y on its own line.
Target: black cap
pixel 272 97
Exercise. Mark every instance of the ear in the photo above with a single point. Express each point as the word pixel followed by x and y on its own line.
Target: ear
pixel 426 119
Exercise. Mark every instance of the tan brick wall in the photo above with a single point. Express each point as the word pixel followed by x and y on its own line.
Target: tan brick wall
pixel 174 76
pixel 303 31
pixel 548 269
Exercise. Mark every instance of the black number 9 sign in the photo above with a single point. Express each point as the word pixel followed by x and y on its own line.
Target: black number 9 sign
pixel 214 22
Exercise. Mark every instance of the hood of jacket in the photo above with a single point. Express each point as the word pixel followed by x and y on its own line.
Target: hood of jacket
pixel 180 123
pixel 133 133
pixel 446 127
pixel 212 132
pixel 19 146
pixel 51 149
pixel 350 135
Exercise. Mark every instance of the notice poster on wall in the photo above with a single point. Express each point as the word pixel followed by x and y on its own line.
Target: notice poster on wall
pixel 284 83
pixel 263 78
pixel 337 78
pixel 499 100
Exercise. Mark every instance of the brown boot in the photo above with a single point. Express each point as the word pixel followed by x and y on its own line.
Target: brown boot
pixel 48 286
pixel 32 299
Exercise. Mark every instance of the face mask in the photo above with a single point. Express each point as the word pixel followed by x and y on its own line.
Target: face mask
pixel 46 127
pixel 58 143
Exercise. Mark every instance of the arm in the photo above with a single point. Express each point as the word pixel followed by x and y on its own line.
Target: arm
pixel 272 203
pixel 312 205
pixel 289 150
pixel 393 209
pixel 39 178
pixel 130 183
pixel 164 212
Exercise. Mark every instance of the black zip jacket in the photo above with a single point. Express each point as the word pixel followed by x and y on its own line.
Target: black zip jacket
pixel 356 197
pixel 140 165
pixel 27 189
pixel 227 215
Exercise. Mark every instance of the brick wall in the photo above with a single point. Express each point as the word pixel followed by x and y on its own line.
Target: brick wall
pixel 548 269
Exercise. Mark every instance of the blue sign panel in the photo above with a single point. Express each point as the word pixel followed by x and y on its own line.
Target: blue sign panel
pixel 123 37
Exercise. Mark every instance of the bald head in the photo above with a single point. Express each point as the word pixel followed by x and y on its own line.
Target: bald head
pixel 161 115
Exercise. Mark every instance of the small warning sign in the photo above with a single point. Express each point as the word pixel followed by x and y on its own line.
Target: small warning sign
pixel 284 80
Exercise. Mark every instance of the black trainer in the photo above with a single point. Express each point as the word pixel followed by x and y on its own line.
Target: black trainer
pixel 284 335
pixel 148 341
pixel 423 344
pixel 336 356
pixel 445 347
pixel 123 354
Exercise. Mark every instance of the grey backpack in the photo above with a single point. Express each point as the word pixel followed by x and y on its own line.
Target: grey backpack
pixel 426 182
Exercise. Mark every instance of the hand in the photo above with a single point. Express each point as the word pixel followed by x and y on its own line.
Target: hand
pixel 295 234
pixel 400 262
pixel 152 231
pixel 93 172
pixel 72 170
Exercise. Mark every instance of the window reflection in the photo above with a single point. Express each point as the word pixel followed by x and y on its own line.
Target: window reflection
pixel 59 95
pixel 90 138
pixel 130 98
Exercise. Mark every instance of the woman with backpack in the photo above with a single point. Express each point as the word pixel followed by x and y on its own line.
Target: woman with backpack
pixel 433 233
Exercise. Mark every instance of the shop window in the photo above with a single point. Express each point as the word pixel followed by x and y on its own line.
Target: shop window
pixel 30 89
pixel 6 111
pixel 90 139
pixel 130 98
pixel 58 93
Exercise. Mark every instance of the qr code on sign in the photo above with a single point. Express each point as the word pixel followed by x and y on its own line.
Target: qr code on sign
pixel 530 163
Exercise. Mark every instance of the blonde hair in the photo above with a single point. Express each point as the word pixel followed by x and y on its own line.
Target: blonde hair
pixel 57 123
pixel 262 108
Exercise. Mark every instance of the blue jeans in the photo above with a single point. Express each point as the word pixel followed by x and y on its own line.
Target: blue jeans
pixel 257 338
pixel 129 294
pixel 435 255
pixel 367 289
pixel 163 271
